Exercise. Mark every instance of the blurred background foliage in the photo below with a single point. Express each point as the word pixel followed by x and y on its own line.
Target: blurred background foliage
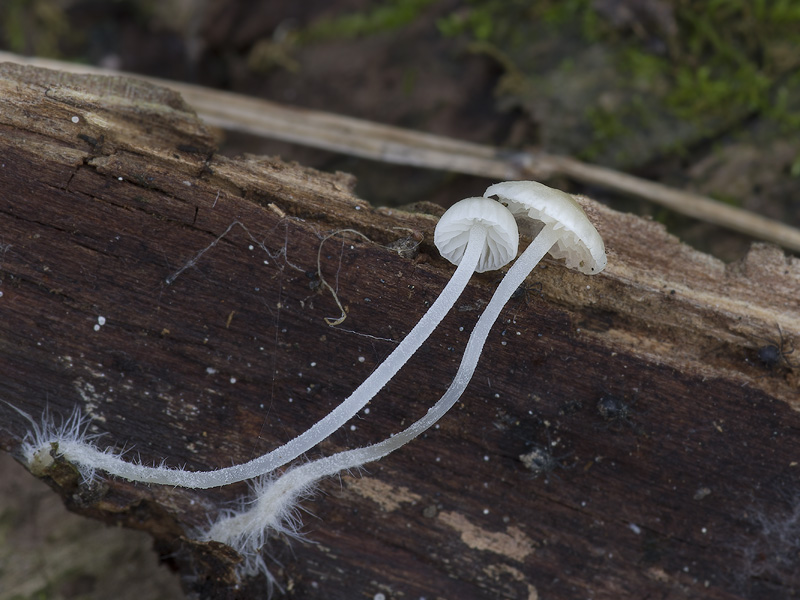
pixel 700 95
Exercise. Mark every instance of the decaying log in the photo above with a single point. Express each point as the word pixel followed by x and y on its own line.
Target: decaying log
pixel 376 141
pixel 176 296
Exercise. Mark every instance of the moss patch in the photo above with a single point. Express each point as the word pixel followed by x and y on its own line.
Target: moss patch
pixel 643 79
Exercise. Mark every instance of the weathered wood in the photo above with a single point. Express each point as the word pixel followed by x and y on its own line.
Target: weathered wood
pixel 110 189
pixel 387 143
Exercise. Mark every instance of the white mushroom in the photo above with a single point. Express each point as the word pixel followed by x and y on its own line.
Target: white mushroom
pixel 464 221
pixel 477 234
pixel 577 241
pixel 567 232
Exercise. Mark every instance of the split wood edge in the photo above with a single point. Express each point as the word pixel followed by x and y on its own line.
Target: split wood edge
pixel 357 137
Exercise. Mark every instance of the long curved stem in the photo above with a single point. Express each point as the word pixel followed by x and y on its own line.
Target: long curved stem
pixel 512 280
pixel 89 456
pixel 277 498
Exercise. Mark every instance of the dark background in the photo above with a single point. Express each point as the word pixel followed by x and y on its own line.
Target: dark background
pixel 703 96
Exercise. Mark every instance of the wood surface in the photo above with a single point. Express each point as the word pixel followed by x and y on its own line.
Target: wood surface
pixel 391 144
pixel 213 348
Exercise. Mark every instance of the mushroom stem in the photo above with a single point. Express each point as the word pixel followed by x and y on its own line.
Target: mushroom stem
pixel 89 457
pixel 388 368
pixel 567 234
pixel 277 498
pixel 516 274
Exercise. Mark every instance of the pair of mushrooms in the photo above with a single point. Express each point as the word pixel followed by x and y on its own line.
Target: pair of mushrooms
pixel 476 234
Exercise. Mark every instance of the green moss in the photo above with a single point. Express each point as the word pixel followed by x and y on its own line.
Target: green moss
pixel 606 126
pixel 785 108
pixel 34 27
pixel 387 16
pixel 568 12
pixel 13 31
pixel 645 67
pixel 718 64
pixel 795 168
pixel 506 21
pixel 725 60
pixel 733 53
pixel 476 24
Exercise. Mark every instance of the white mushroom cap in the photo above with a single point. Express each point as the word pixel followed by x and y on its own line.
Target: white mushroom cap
pixel 502 236
pixel 580 245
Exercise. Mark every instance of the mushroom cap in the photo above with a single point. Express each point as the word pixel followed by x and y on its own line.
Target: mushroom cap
pixel 502 236
pixel 580 245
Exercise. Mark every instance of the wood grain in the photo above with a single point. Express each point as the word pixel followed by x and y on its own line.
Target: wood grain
pixel 111 188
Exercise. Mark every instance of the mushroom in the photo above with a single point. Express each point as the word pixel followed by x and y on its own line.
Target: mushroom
pixel 577 241
pixel 567 233
pixel 477 234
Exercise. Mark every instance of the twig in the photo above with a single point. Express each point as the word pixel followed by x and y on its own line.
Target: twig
pixel 333 321
pixel 402 146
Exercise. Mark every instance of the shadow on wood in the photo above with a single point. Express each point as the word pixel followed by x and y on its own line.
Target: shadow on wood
pixel 174 296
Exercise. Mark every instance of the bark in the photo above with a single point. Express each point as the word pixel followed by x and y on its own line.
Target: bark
pixel 213 348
